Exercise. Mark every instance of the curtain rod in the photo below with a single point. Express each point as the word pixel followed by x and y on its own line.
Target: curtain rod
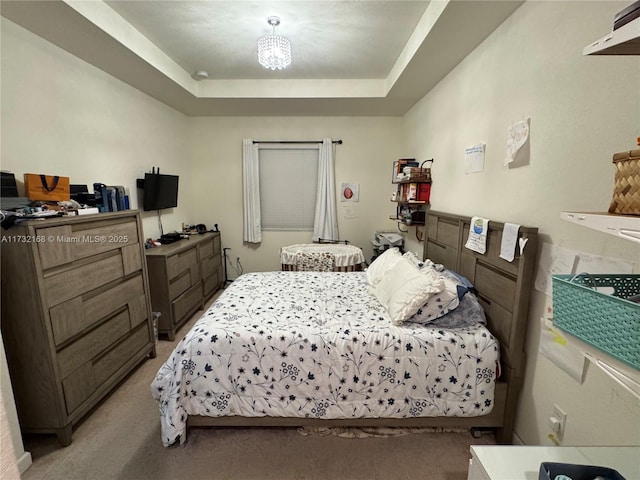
pixel 339 142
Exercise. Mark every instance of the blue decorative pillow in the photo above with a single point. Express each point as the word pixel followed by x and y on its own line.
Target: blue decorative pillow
pixel 463 285
pixel 456 306
pixel 467 314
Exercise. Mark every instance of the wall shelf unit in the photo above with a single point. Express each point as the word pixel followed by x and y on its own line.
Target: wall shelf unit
pixel 623 226
pixel 413 191
pixel 623 41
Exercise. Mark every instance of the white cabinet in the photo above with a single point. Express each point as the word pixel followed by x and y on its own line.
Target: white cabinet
pixel 497 462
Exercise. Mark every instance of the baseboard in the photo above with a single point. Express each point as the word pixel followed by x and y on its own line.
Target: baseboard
pixel 24 462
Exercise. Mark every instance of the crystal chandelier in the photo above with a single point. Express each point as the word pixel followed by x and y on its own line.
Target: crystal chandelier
pixel 274 51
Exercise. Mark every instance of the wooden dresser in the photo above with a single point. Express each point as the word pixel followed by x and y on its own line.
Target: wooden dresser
pixel 182 275
pixel 76 315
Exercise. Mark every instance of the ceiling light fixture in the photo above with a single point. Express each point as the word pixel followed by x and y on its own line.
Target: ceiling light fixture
pixel 274 51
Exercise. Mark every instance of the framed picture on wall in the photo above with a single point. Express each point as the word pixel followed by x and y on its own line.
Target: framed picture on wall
pixel 349 192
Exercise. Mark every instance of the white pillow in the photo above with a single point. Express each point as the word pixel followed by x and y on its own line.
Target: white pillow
pixel 428 263
pixel 406 288
pixel 439 304
pixel 382 264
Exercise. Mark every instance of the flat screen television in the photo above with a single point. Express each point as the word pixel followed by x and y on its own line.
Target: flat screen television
pixel 160 191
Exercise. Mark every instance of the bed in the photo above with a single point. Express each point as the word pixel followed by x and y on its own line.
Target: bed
pixel 322 348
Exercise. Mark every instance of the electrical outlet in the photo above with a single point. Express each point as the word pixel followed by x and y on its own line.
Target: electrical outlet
pixel 558 420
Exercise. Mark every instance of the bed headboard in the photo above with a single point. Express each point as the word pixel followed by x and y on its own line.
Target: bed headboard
pixel 503 287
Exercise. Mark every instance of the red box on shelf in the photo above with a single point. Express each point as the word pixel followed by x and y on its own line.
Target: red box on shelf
pixel 424 192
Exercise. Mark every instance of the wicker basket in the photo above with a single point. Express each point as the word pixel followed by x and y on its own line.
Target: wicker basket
pixel 608 322
pixel 626 191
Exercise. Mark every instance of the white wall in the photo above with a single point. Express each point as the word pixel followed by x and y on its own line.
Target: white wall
pixel 582 109
pixel 13 459
pixel 62 116
pixel 369 147
pixel 75 120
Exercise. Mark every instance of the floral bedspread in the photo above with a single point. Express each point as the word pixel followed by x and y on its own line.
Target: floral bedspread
pixel 318 344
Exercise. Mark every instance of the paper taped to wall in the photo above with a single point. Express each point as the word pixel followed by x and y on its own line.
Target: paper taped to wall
pixel 517 136
pixel 555 260
pixel 474 159
pixel 554 346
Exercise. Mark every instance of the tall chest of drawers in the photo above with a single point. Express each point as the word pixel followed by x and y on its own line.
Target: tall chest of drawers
pixel 182 275
pixel 76 314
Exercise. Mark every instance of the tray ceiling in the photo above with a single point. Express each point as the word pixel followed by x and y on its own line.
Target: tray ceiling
pixel 353 58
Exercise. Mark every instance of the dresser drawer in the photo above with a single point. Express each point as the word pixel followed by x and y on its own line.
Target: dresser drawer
pixel 212 283
pixel 180 262
pixel 185 304
pixel 78 386
pixel 79 313
pixel 85 277
pixel 109 364
pixel 173 266
pixel 216 245
pixel 179 285
pixel 68 243
pixel 75 282
pixel 93 343
pixel 85 380
pixel 210 265
pixel 205 249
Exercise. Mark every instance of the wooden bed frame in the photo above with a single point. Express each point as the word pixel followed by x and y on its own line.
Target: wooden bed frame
pixel 503 290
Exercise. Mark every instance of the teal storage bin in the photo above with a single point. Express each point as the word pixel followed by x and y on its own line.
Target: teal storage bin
pixel 608 322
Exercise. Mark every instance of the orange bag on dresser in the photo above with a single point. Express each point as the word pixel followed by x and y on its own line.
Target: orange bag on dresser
pixel 46 188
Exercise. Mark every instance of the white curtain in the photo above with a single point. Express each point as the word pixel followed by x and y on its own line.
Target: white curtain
pixel 326 221
pixel 251 192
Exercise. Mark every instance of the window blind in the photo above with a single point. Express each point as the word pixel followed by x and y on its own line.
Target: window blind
pixel 288 185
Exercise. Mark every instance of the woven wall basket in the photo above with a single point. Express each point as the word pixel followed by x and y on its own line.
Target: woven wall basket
pixel 626 191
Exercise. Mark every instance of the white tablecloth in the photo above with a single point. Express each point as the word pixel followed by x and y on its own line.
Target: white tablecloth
pixel 344 255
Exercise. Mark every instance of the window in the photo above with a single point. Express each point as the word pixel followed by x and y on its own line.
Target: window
pixel 288 185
